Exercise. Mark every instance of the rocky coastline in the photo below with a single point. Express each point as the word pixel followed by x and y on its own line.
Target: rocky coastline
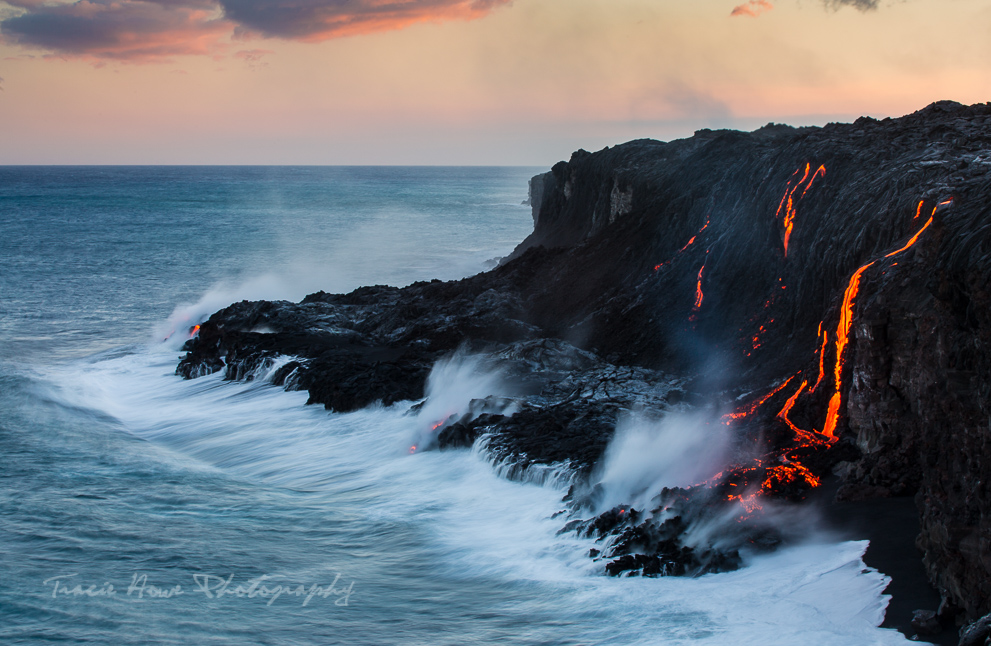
pixel 822 294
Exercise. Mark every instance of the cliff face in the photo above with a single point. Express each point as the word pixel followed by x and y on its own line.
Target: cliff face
pixel 916 383
pixel 919 406
pixel 828 286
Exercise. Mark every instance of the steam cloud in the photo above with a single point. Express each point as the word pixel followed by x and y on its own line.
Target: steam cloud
pixel 158 29
pixel 451 386
pixel 646 455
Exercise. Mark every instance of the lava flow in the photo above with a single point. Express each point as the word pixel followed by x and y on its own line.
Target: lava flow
pixel 822 357
pixel 698 290
pixel 688 244
pixel 750 409
pixel 787 203
pixel 783 415
pixel 846 320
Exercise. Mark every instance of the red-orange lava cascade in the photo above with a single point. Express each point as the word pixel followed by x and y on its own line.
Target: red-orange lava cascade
pixel 843 329
pixel 193 331
pixel 788 200
pixel 755 341
pixel 691 240
pixel 842 338
pixel 820 172
pixel 783 415
pixel 698 291
pixel 752 408
pixel 822 358
pixel 781 472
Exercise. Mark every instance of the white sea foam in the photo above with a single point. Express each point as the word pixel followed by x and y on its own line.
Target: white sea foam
pixel 483 525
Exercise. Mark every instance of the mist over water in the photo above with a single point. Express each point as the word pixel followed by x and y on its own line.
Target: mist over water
pixel 115 469
pixel 679 449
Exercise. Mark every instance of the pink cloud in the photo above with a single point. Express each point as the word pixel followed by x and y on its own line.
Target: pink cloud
pixel 317 20
pixel 145 30
pixel 752 8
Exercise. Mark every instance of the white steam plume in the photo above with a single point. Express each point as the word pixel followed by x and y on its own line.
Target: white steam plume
pixel 451 386
pixel 648 454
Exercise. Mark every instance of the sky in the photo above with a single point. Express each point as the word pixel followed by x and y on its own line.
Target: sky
pixel 485 82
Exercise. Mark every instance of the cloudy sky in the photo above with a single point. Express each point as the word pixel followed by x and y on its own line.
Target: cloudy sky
pixel 458 81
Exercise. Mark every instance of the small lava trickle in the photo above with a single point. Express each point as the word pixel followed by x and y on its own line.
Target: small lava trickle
pixel 688 244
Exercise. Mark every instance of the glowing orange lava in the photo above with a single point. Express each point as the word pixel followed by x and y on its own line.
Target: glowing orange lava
pixel 781 472
pixel 698 290
pixel 788 201
pixel 752 408
pixel 193 331
pixel 843 329
pixel 688 244
pixel 783 415
pixel 842 338
pixel 822 357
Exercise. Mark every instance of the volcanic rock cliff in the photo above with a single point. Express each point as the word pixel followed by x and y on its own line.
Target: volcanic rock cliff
pixel 825 290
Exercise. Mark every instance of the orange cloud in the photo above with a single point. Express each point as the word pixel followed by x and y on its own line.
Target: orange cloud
pixel 752 8
pixel 119 30
pixel 140 30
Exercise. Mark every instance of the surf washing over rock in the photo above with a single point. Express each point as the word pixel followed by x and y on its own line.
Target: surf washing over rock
pixel 805 304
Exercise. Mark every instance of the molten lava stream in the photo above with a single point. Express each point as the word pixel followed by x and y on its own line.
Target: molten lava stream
pixel 846 320
pixel 788 201
pixel 783 415
pixel 688 244
pixel 752 408
pixel 698 290
pixel 822 357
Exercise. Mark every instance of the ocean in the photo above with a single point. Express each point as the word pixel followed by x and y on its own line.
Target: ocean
pixel 139 508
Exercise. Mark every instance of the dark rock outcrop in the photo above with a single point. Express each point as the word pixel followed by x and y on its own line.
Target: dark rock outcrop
pixel 830 285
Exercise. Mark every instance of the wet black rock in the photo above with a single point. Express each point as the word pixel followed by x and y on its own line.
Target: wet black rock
pixel 925 622
pixel 977 633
